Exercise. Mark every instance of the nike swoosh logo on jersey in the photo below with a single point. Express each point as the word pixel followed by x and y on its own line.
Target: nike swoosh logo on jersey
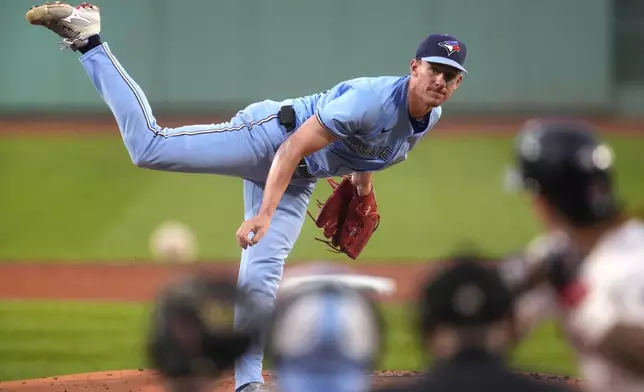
pixel 385 130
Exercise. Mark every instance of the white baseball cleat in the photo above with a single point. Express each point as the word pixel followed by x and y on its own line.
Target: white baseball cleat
pixel 73 24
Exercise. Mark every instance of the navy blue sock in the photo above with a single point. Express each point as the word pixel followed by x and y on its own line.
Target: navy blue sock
pixel 242 387
pixel 92 42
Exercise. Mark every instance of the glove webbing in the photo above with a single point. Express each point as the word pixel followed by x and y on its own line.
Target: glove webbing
pixel 329 243
pixel 334 248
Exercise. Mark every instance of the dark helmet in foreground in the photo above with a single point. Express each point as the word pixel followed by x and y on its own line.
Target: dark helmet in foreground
pixel 191 330
pixel 568 164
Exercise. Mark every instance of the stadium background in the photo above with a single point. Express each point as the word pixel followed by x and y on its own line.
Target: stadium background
pixel 71 197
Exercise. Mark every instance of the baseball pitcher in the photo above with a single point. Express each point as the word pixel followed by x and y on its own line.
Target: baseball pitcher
pixel 279 149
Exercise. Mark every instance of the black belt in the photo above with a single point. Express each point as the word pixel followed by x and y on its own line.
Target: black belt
pixel 288 119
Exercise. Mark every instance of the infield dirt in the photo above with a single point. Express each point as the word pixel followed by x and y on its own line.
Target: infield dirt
pixel 140 283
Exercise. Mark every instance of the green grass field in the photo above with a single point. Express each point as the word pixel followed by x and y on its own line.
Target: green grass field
pixel 39 339
pixel 82 199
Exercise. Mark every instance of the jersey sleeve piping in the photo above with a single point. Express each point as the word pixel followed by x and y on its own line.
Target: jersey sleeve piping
pixel 337 135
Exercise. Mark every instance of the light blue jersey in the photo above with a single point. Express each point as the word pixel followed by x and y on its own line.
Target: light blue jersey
pixel 370 117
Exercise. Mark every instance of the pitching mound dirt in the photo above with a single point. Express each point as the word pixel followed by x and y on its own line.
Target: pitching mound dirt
pixel 148 381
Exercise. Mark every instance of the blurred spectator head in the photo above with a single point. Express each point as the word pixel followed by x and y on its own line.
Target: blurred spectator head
pixel 464 306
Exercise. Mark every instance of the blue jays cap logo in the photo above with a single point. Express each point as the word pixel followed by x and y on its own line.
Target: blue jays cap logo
pixel 451 47
pixel 443 49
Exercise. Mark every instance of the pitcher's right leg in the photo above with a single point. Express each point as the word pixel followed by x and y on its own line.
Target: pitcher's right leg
pixel 230 148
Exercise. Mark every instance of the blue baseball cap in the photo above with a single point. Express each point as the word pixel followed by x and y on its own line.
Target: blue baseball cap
pixel 443 49
pixel 325 337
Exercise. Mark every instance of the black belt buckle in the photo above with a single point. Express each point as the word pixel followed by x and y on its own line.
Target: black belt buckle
pixel 287 117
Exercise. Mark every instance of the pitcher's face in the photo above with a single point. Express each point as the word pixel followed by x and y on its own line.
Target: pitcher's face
pixel 433 83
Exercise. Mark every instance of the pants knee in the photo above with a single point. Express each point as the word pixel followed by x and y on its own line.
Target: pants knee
pixel 143 152
pixel 262 282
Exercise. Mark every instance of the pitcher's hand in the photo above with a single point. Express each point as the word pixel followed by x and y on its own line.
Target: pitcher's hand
pixel 258 225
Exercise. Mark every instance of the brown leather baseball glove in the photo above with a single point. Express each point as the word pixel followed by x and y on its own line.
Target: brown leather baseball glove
pixel 347 219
